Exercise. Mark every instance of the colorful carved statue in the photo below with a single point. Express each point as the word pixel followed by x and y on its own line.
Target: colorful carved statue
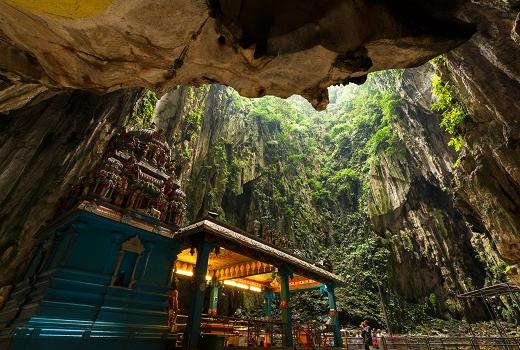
pixel 162 206
pixel 179 206
pixel 135 173
pixel 131 168
pixel 142 150
pixel 121 191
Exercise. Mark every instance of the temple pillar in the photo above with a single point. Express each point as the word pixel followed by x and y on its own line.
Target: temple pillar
pixel 268 301
pixel 333 313
pixel 285 307
pixel 192 331
pixel 268 309
pixel 213 298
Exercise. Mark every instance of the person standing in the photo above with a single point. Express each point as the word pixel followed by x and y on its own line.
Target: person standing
pixel 366 334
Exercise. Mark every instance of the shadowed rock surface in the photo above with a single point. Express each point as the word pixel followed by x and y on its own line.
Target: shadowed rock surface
pixel 486 72
pixel 44 150
pixel 267 47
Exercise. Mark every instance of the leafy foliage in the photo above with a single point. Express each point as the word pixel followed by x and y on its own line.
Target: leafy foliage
pixel 277 110
pixel 312 189
pixel 144 111
pixel 453 112
pixel 194 121
pixel 195 111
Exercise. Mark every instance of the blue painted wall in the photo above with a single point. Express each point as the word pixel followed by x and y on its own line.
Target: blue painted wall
pixel 66 300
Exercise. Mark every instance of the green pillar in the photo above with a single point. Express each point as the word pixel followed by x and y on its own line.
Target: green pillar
pixel 268 301
pixel 198 287
pixel 285 306
pixel 335 319
pixel 268 309
pixel 213 298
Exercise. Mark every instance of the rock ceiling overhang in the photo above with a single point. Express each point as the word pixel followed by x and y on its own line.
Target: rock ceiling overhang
pixel 257 47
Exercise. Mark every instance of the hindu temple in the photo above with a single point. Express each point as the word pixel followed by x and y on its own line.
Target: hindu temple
pixel 296 174
pixel 103 274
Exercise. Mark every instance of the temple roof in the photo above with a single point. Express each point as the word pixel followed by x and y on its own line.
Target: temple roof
pixel 237 240
pixel 136 174
pixel 243 258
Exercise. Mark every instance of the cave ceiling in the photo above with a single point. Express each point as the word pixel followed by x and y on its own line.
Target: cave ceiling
pixel 257 47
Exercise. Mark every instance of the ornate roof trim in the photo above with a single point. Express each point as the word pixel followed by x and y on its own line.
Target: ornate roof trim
pixel 244 239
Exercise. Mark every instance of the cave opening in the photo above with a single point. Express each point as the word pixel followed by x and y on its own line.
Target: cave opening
pixel 158 115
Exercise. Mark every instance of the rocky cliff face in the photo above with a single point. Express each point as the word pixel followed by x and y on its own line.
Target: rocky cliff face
pixel 44 149
pixel 487 75
pixel 211 132
pixel 485 187
pixel 434 252
pixel 412 206
pixel 258 48
pixel 224 154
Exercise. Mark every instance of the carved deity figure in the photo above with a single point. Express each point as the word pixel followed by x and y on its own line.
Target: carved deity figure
pixel 133 199
pixel 170 212
pixel 180 207
pixel 121 191
pixel 161 161
pixel 162 206
pixel 142 150
pixel 134 174
pixel 131 168
pixel 170 186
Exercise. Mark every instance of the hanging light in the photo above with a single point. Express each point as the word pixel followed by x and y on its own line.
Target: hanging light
pixel 236 284
pixel 242 286
pixel 184 272
pixel 189 274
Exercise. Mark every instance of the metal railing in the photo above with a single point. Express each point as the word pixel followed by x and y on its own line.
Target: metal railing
pixel 241 332
pixel 436 343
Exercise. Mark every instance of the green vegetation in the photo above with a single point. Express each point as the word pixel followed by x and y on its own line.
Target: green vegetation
pixel 453 112
pixel 186 152
pixel 144 111
pixel 315 183
pixel 195 110
pixel 194 121
pixel 305 175
pixel 215 167
pixel 283 112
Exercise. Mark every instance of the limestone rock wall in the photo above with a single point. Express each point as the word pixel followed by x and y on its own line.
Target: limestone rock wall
pixel 257 47
pixel 44 149
pixel 219 154
pixel 487 73
pixel 439 239
pixel 411 205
